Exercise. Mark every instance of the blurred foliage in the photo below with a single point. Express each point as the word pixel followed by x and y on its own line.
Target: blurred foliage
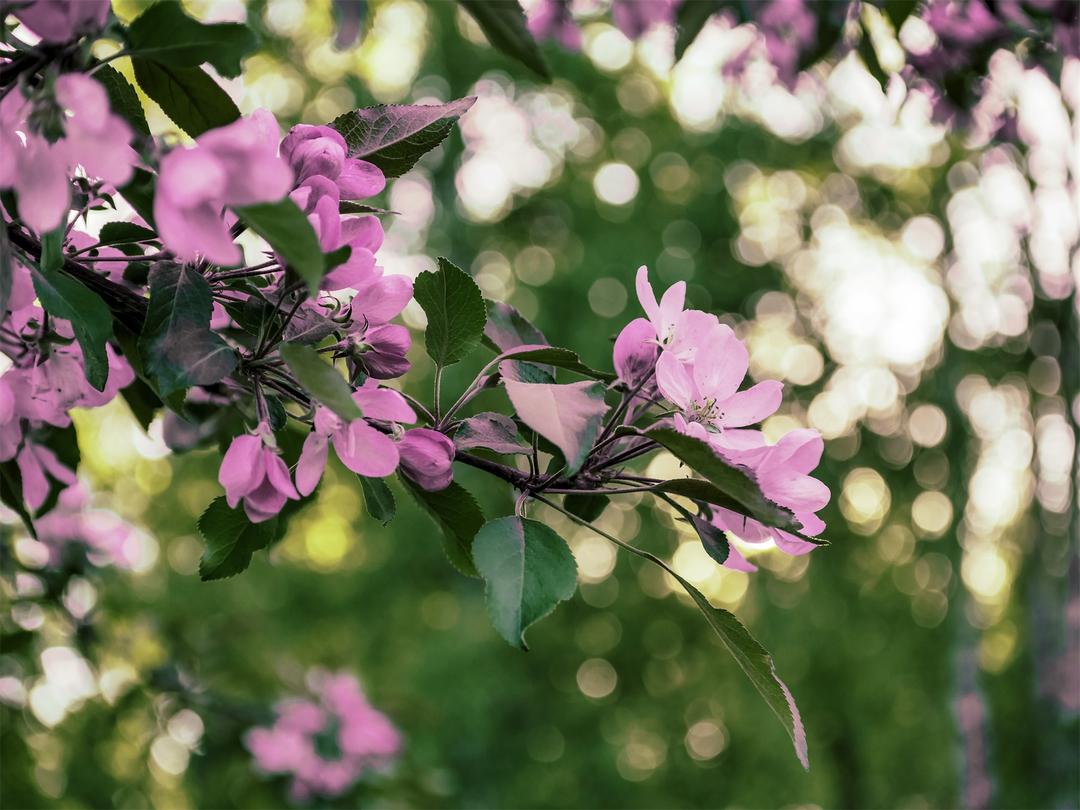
pixel 876 634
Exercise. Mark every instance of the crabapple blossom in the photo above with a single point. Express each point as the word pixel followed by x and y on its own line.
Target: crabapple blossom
pixel 45 137
pixel 252 471
pixel 427 458
pixel 234 165
pixel 359 445
pixel 62 20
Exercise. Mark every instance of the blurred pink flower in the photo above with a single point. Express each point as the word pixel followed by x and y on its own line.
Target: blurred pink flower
pixel 342 719
pixel 62 20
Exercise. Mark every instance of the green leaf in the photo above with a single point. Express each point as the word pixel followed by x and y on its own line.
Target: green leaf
pixel 139 192
pixel 64 297
pixel 395 136
pixel 352 207
pixel 166 35
pixel 736 482
pixel 503 23
pixel 569 416
pixel 179 349
pixel 11 494
pixel 689 20
pixel 508 329
pixel 758 665
pixel 455 312
pixel 528 570
pixel 459 517
pixel 142 401
pixel 123 233
pixel 378 498
pixel 560 358
pixel 320 379
pixel 231 539
pixel 189 96
pixel 7 270
pixel 897 11
pixel 492 431
pixel 123 100
pixel 289 233
pixel 588 507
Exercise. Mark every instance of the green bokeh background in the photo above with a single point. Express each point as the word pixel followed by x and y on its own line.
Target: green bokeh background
pixel 489 726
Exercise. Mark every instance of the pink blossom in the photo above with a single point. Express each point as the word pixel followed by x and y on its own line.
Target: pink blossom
pixel 783 472
pixel 62 20
pixel 360 446
pixel 635 352
pixel 108 538
pixel 427 457
pixel 706 391
pixel 678 331
pixel 234 165
pixel 92 137
pixel 635 17
pixel 321 151
pixel 37 464
pixel 551 19
pixel 380 352
pixel 252 471
pixel 342 717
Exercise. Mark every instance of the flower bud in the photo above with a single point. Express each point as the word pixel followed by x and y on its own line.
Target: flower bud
pixel 427 457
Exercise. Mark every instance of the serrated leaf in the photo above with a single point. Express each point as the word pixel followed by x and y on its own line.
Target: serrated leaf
pixel 689 20
pixel 736 482
pixel 166 35
pixel 123 233
pixel 557 357
pixel 528 570
pixel 123 100
pixel 189 96
pixel 758 665
pixel 64 297
pixel 178 347
pixel 569 416
pixel 455 312
pixel 320 379
pixel 353 207
pixel 231 539
pixel 378 498
pixel 508 329
pixel 289 233
pixel 458 515
pixel 395 136
pixel 492 431
pixel 503 23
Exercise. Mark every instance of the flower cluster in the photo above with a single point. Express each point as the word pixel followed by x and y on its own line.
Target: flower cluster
pixel 697 365
pixel 327 744
pixel 43 381
pixel 46 136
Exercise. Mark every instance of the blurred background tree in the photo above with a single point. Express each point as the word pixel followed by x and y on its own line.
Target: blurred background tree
pixel 911 282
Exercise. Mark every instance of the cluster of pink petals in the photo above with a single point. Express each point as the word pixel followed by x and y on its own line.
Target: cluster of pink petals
pixel 93 138
pixel 426 456
pixel 234 165
pixel 62 20
pixel 45 381
pixel 365 737
pixel 698 365
pixel 253 472
pixel 107 538
pixel 326 175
